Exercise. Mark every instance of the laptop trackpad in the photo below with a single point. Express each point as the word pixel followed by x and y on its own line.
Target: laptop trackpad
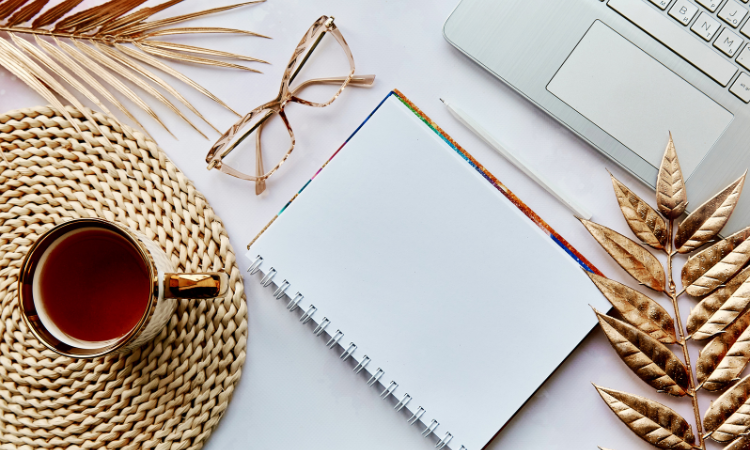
pixel 637 100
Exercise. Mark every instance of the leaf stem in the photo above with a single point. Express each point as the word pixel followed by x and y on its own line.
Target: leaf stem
pixel 107 39
pixel 673 296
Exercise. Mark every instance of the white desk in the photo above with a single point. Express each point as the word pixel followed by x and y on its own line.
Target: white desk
pixel 294 392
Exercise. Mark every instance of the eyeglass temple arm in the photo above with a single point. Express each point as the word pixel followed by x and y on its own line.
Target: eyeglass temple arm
pixel 357 80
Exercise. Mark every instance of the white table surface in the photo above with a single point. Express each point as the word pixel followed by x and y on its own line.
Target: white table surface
pixel 294 392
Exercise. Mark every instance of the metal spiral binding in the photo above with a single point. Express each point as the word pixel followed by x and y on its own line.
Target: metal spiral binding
pixel 321 326
pixel 279 292
pixel 348 352
pixel 444 441
pixel 404 400
pixel 362 364
pixel 416 416
pixel 335 339
pixel 294 302
pixel 428 431
pixel 374 379
pixel 389 390
pixel 255 266
pixel 266 280
pixel 308 314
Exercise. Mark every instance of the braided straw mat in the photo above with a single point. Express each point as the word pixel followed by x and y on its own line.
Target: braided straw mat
pixel 169 394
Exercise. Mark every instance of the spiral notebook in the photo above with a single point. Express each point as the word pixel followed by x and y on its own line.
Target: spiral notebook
pixel 435 283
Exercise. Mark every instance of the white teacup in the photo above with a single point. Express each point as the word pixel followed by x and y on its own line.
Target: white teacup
pixel 164 287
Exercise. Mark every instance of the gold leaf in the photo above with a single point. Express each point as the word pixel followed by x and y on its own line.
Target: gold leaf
pixel 62 73
pixel 50 81
pixel 724 358
pixel 707 307
pixel 195 30
pixel 637 309
pixel 729 416
pixel 722 271
pixel 140 28
pixel 646 223
pixel 110 79
pixel 727 312
pixel 112 23
pixel 9 6
pixel 190 58
pixel 86 77
pixel 8 60
pixel 651 421
pixel 134 78
pixel 150 60
pixel 135 18
pixel 107 14
pixel 636 260
pixel 704 260
pixel 671 197
pixel 55 13
pixel 707 220
pixel 648 358
pixel 151 76
pixel 91 18
pixel 199 50
pixel 26 13
pixel 741 443
pixel 81 16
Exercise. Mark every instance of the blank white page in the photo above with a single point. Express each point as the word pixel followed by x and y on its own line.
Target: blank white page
pixel 435 275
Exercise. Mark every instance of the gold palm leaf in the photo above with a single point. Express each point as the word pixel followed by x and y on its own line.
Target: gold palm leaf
pixel 111 42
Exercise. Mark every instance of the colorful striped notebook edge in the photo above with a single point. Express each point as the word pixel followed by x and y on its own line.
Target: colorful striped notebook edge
pixel 533 216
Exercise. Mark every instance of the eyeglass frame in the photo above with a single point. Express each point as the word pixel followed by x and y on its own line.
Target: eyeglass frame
pixel 307 45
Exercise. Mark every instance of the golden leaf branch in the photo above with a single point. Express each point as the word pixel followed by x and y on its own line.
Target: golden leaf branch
pixel 682 341
pixel 718 276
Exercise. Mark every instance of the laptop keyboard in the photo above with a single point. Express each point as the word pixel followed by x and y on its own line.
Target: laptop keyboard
pixel 722 50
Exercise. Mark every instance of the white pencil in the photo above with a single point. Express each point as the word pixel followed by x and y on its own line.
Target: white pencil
pixel 556 192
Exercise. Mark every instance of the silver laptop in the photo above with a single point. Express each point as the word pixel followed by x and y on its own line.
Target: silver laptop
pixel 623 73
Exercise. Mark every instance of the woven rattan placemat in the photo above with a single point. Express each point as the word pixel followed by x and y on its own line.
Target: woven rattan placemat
pixel 169 394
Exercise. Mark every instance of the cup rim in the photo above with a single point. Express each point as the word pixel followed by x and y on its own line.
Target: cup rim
pixel 26 296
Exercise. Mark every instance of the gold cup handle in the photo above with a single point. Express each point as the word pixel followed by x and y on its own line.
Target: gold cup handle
pixel 195 285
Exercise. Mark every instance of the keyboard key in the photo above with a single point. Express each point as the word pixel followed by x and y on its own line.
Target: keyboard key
pixel 741 87
pixel 705 27
pixel 746 29
pixel 673 37
pixel 683 11
pixel 728 42
pixel 733 13
pixel 710 5
pixel 744 58
pixel 662 4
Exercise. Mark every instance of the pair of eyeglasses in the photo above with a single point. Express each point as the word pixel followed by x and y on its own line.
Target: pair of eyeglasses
pixel 319 92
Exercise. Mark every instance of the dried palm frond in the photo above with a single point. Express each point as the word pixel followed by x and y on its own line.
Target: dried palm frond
pixel 112 42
